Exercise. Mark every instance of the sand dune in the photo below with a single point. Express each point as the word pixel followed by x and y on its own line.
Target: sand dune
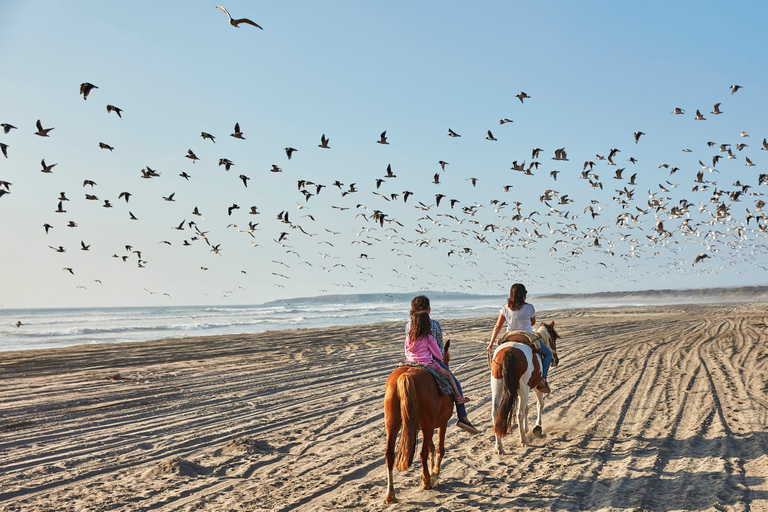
pixel 661 408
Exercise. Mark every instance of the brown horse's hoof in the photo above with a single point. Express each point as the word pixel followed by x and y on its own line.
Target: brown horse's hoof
pixel 390 499
pixel 537 432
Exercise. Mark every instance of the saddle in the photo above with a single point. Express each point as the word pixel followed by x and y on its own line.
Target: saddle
pixel 521 336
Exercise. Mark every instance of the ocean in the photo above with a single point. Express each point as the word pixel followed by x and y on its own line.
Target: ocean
pixel 62 327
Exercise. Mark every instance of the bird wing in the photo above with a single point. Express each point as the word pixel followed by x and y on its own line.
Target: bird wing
pixel 224 11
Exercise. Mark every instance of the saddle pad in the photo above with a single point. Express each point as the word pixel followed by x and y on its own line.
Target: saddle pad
pixel 521 337
pixel 443 384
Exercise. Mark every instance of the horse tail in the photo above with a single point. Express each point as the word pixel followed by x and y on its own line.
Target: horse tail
pixel 505 413
pixel 409 413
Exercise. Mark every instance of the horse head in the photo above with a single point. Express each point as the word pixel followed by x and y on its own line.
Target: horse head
pixel 551 333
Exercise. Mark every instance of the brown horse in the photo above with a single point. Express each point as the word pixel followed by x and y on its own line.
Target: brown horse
pixel 412 401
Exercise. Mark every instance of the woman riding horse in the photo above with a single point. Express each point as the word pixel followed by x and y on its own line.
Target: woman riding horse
pixel 519 315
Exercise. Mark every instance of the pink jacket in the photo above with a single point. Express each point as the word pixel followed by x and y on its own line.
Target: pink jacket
pixel 423 350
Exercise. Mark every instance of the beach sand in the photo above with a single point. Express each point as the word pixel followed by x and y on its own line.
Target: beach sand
pixel 652 408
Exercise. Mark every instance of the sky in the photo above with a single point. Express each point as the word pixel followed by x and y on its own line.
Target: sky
pixel 595 73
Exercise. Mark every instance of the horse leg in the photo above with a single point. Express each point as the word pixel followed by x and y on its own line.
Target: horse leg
pixel 393 422
pixel 440 449
pixel 496 392
pixel 537 431
pixel 426 448
pixel 522 413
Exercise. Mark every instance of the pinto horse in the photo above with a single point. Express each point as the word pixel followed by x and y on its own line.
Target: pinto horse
pixel 515 371
pixel 413 401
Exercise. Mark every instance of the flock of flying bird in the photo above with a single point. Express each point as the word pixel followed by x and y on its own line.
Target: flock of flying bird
pixel 616 226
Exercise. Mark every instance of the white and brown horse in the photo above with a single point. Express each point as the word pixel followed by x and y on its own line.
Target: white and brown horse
pixel 413 401
pixel 515 371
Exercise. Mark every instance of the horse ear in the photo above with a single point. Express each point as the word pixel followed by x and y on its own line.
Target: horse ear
pixel 447 344
pixel 552 323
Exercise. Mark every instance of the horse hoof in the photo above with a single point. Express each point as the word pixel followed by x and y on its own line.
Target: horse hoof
pixel 390 500
pixel 537 432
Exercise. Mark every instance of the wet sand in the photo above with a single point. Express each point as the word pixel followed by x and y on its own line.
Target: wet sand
pixel 652 408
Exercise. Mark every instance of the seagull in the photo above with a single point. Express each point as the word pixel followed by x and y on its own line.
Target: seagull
pixel 191 156
pixel 118 111
pixel 4 149
pixel 43 132
pixel 452 133
pixel 206 135
pixel 700 117
pixel 716 109
pixel 743 134
pixel 103 145
pixel 490 136
pixel 637 136
pixel 505 121
pixel 735 88
pixel 324 142
pixel 522 96
pixel 238 134
pixel 47 168
pixel 678 111
pixel 236 23
pixel 86 88
pixel 289 152
pixel 7 127
pixel 383 138
pixel 442 164
pixel 700 257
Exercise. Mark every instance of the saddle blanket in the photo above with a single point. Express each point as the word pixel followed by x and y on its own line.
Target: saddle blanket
pixel 443 384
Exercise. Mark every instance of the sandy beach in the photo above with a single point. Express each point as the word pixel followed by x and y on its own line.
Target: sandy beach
pixel 652 408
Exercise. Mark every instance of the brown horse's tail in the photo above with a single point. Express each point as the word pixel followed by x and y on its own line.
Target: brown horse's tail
pixel 409 412
pixel 507 406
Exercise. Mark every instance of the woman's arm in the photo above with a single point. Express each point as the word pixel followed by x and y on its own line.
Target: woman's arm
pixel 496 330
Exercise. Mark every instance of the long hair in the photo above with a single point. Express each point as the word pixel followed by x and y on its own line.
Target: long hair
pixel 421 326
pixel 517 296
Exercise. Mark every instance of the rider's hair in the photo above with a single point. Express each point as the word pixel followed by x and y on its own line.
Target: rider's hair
pixel 421 326
pixel 517 296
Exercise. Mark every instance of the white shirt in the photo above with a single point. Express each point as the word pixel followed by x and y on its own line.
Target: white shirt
pixel 519 320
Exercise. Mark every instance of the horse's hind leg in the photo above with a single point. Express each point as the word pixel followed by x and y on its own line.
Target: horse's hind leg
pixel 522 413
pixel 440 449
pixel 393 422
pixel 537 430
pixel 427 447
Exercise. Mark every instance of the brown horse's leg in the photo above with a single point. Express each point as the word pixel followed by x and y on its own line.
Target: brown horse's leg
pixel 393 421
pixel 440 449
pixel 427 446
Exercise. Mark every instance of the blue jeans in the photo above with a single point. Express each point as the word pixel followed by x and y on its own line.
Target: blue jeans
pixel 546 356
pixel 461 411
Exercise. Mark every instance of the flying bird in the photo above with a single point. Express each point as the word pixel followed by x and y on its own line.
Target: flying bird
pixel 86 88
pixel 238 134
pixel 236 22
pixel 206 135
pixel 522 96
pixel 7 127
pixel 103 145
pixel 452 133
pixel 324 142
pixel 4 149
pixel 716 109
pixel 289 152
pixel 43 132
pixel 383 138
pixel 735 88
pixel 490 136
pixel 118 111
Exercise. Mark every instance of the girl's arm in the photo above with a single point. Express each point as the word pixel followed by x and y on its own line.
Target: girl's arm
pixel 434 349
pixel 496 329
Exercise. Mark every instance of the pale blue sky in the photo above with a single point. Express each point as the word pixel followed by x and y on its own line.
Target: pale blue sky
pixel 595 71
